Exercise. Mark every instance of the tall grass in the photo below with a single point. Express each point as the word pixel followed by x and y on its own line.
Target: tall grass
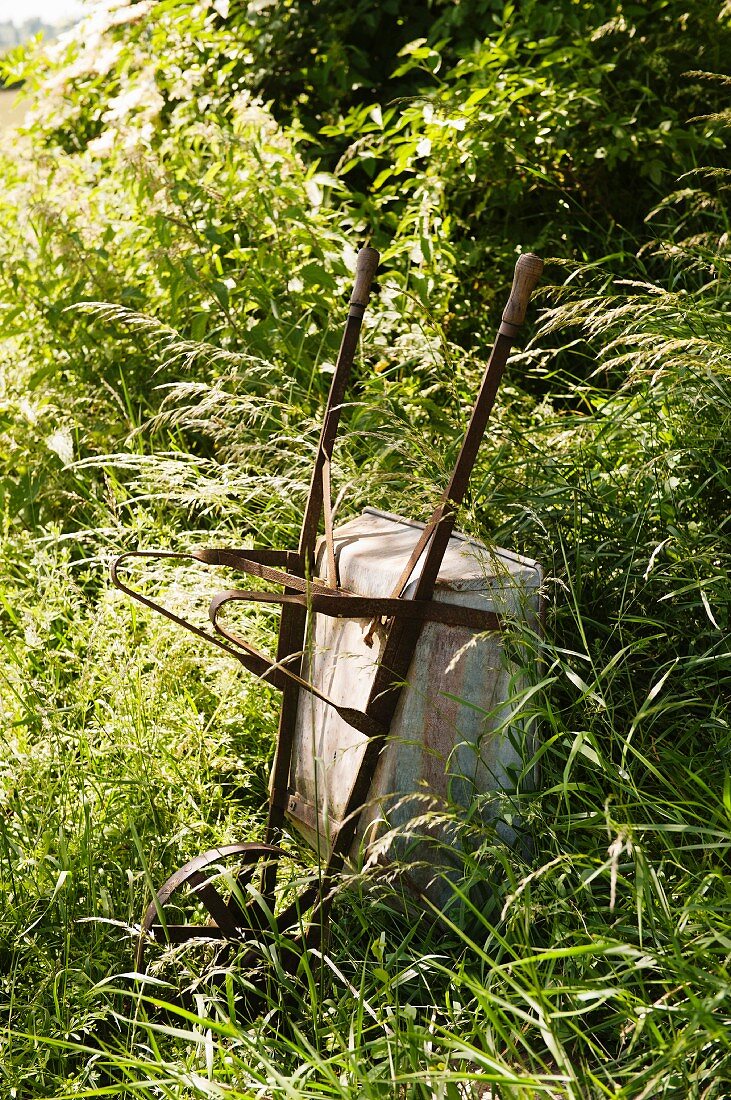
pixel 171 409
pixel 599 967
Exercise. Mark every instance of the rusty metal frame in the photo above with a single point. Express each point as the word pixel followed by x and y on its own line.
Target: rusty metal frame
pixel 302 594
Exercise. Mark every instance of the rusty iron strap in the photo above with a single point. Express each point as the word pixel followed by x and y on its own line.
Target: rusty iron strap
pixel 340 604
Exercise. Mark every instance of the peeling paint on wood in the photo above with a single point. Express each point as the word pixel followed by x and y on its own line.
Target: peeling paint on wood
pixel 451 740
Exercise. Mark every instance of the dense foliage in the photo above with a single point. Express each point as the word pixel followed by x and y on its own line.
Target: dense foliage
pixel 178 224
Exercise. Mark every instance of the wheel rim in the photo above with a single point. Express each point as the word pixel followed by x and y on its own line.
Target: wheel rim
pixel 224 912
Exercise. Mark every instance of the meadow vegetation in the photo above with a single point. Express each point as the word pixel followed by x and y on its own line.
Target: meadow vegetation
pixel 178 223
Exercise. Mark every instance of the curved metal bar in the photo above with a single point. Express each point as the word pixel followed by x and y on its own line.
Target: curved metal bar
pixel 250 852
pixel 273 672
pixel 358 719
pixel 191 874
pixel 256 662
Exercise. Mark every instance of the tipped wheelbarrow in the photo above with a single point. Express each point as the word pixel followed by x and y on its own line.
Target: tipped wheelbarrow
pixel 396 692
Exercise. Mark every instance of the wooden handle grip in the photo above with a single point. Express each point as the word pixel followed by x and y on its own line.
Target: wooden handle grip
pixel 528 271
pixel 365 268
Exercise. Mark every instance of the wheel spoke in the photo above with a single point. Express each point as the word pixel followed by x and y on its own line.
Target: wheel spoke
pixel 218 909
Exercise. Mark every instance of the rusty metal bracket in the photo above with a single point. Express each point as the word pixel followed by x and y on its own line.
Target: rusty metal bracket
pixel 344 605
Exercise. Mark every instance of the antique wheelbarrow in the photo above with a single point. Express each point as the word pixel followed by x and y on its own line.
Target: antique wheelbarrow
pixel 395 687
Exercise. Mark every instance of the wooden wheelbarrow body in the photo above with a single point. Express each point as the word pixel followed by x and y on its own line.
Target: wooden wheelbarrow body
pixel 453 740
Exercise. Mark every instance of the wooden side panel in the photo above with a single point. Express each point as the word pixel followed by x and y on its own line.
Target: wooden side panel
pixel 442 744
